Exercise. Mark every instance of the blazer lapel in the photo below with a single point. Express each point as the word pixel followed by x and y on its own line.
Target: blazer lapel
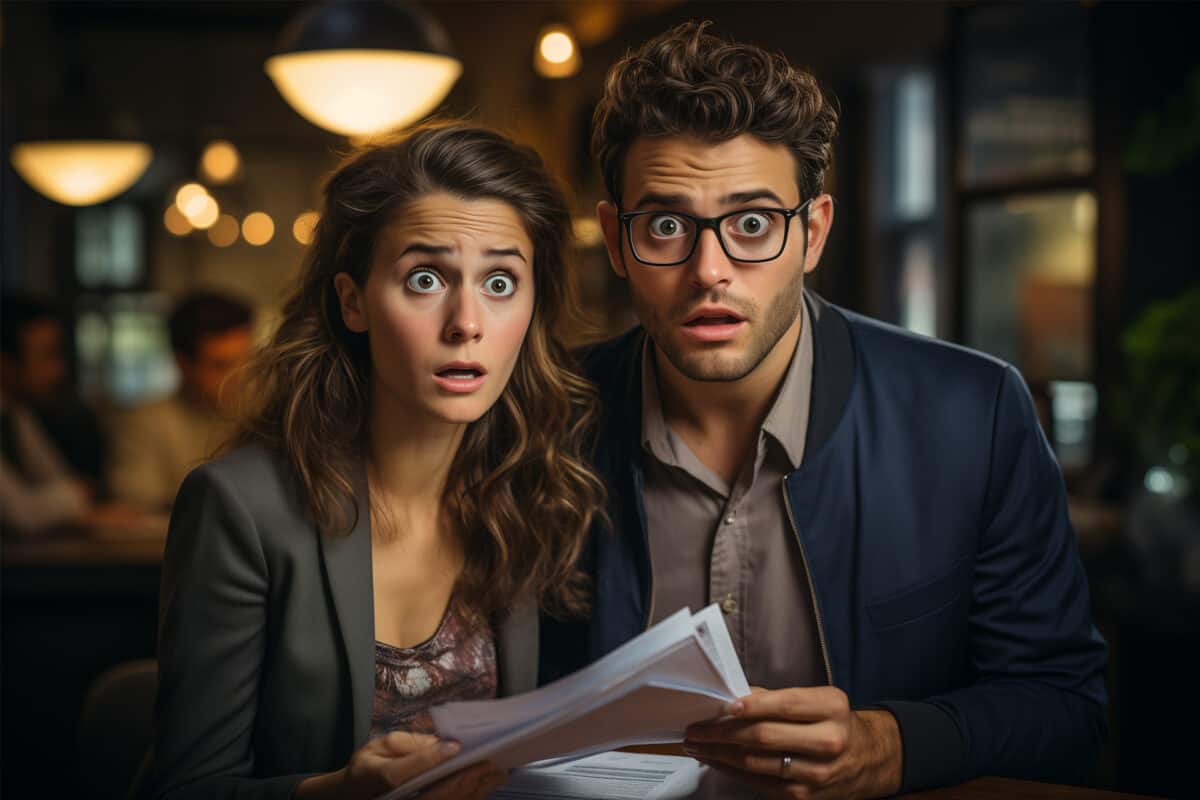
pixel 517 650
pixel 347 560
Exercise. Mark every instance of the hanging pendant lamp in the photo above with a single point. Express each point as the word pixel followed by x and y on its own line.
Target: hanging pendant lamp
pixel 363 67
pixel 81 172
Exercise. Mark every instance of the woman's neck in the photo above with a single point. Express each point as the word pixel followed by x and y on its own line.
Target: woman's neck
pixel 409 461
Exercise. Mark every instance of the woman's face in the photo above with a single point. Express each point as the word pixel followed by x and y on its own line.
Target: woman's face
pixel 447 301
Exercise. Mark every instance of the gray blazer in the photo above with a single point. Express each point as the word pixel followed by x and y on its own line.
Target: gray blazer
pixel 266 638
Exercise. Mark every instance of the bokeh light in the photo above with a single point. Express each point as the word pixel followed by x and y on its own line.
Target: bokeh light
pixel 258 228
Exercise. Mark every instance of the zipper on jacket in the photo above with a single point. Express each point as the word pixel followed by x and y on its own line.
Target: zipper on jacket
pixel 638 495
pixel 650 566
pixel 812 588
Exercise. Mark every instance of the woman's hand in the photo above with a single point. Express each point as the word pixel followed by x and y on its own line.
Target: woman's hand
pixel 384 763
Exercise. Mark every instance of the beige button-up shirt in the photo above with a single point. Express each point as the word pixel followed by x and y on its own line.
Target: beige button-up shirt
pixel 711 542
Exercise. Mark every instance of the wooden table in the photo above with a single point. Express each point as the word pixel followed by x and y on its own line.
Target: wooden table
pixel 978 789
pixel 1008 789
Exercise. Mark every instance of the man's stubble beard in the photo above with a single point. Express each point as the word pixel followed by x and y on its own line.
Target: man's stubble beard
pixel 716 366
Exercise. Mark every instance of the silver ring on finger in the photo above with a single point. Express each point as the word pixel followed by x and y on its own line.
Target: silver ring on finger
pixel 785 765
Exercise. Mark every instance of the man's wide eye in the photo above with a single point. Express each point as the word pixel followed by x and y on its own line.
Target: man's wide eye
pixel 666 226
pixel 751 224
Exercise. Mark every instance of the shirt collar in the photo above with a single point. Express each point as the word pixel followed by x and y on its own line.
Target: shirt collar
pixel 786 422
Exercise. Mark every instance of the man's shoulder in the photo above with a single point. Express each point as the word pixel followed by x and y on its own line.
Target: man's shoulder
pixel 886 347
pixel 602 361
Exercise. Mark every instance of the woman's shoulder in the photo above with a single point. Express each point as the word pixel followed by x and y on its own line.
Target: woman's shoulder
pixel 256 478
pixel 248 465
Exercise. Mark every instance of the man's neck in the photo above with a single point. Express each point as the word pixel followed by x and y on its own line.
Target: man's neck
pixel 719 420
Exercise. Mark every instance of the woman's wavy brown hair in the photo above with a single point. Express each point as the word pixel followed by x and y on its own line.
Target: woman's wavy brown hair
pixel 519 490
pixel 688 81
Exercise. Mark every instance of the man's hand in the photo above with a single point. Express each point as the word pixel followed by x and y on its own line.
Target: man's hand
pixel 834 751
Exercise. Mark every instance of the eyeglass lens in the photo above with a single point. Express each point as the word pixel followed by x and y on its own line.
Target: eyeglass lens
pixel 665 238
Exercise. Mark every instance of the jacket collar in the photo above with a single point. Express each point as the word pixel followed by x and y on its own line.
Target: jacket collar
pixel 347 560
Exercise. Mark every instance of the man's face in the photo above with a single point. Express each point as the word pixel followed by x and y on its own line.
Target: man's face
pixel 715 319
pixel 39 372
pixel 217 356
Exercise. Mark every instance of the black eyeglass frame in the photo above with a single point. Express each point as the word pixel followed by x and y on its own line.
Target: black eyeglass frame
pixel 714 223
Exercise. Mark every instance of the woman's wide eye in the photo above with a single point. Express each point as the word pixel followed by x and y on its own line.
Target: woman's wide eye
pixel 425 281
pixel 751 224
pixel 666 226
pixel 499 284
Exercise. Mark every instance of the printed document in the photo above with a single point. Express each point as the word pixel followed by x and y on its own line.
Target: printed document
pixel 647 691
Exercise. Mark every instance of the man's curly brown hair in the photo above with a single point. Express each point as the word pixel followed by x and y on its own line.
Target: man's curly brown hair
pixel 688 81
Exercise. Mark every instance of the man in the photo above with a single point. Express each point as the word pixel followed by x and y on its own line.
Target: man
pixel 155 446
pixel 878 514
pixel 38 488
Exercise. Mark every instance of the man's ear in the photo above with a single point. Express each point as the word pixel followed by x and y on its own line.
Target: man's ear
pixel 611 226
pixel 350 300
pixel 820 220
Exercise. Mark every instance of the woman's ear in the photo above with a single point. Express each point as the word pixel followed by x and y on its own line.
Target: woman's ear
pixel 350 300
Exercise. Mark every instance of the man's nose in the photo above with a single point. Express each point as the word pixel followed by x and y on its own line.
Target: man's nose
pixel 709 266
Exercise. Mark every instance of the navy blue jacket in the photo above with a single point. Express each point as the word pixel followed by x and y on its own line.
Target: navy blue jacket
pixel 933 518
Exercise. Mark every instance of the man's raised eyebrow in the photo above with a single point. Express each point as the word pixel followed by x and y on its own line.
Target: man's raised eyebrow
pixel 737 198
pixel 505 251
pixel 656 199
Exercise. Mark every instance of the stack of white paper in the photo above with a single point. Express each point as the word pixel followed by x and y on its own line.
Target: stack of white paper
pixel 680 671
pixel 606 776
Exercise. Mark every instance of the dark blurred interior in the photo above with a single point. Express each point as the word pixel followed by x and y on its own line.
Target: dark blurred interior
pixel 1020 178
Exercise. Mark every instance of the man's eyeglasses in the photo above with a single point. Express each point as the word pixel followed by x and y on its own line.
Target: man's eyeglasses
pixel 751 235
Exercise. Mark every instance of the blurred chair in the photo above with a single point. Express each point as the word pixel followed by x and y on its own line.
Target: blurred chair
pixel 115 727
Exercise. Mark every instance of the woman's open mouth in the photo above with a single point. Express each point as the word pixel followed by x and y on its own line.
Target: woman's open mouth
pixel 460 377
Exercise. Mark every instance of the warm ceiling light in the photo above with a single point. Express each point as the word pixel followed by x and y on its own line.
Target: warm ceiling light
pixel 557 47
pixel 224 231
pixel 304 226
pixel 190 198
pixel 220 161
pixel 176 222
pixel 81 173
pixel 258 228
pixel 557 54
pixel 361 69
pixel 207 214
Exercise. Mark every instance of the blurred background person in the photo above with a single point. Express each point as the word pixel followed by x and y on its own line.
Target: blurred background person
pixel 38 487
pixel 51 444
pixel 155 445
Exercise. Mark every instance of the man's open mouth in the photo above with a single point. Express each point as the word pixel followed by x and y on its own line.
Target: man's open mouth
pixel 716 319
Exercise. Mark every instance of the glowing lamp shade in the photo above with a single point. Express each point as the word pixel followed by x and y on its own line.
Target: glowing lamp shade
pixel 363 92
pixel 81 173
pixel 363 68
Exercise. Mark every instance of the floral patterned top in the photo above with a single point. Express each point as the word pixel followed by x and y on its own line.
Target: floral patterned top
pixel 457 663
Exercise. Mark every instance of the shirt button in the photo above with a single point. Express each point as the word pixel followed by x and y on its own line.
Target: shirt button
pixel 729 519
pixel 729 604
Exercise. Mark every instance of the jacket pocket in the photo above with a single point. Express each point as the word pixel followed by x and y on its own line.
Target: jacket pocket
pixel 925 598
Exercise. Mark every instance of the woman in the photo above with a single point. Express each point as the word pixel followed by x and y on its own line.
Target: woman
pixel 406 496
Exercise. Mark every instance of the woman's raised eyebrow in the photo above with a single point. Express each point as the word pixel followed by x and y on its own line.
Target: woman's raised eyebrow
pixel 505 251
pixel 426 249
